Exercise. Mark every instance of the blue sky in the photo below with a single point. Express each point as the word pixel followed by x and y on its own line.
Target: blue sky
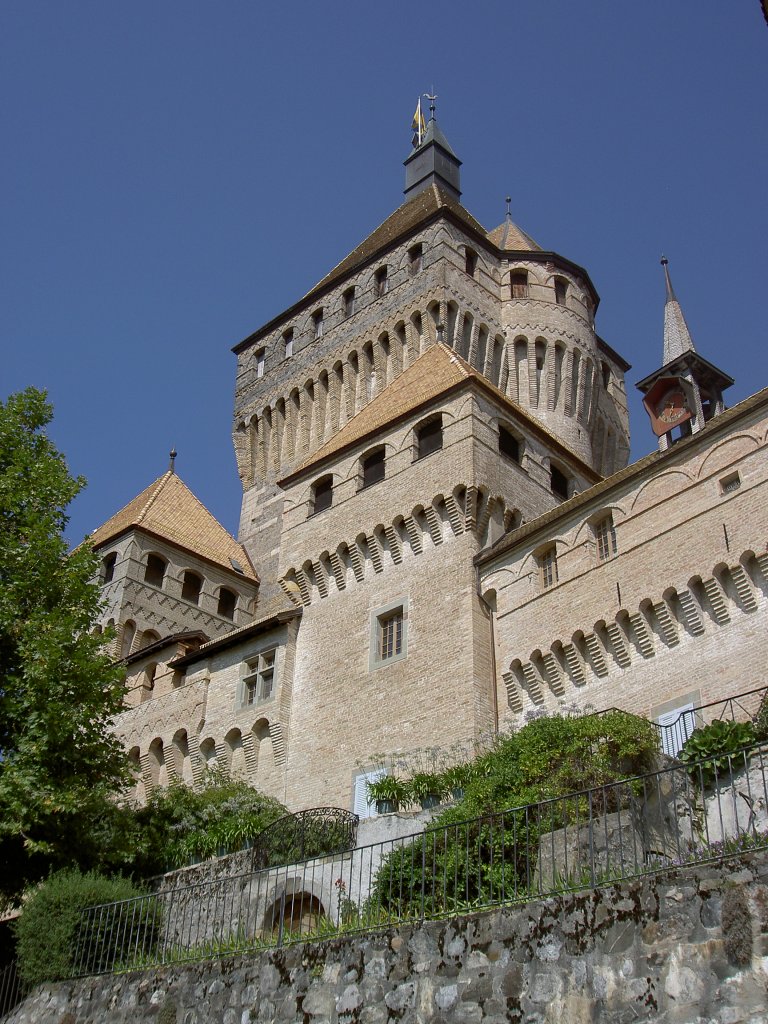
pixel 176 172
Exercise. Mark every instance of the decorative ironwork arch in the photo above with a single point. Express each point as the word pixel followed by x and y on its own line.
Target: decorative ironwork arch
pixel 317 832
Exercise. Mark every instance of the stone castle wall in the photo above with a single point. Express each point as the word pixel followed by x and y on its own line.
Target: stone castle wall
pixel 689 946
pixel 687 585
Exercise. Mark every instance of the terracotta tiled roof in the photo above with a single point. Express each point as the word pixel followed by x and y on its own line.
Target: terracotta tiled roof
pixel 404 220
pixel 509 237
pixel 433 373
pixel 168 509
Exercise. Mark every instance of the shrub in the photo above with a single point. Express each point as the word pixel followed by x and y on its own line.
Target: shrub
pixel 760 721
pixel 484 848
pixel 179 825
pixel 51 931
pixel 714 745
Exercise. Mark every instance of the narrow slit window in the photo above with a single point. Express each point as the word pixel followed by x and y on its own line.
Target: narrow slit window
pixel 381 282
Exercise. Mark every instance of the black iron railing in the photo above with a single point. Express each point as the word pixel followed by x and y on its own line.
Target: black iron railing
pixel 681 815
pixel 12 989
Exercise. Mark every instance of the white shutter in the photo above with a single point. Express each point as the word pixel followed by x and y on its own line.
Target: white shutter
pixel 360 805
pixel 676 726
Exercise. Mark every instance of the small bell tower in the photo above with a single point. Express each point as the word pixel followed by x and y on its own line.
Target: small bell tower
pixel 687 391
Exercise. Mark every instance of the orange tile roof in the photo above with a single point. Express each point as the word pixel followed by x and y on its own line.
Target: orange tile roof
pixel 509 237
pixel 168 509
pixel 433 373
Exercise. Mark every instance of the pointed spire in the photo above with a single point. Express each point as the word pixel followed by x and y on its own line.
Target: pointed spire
pixel 677 337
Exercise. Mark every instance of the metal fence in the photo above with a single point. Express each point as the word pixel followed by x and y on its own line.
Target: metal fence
pixel 672 817
pixel 676 726
pixel 12 989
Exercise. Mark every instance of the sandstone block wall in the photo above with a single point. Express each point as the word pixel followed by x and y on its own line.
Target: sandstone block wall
pixel 679 611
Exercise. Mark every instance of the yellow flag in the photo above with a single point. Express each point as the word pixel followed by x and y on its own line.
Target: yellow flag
pixel 418 125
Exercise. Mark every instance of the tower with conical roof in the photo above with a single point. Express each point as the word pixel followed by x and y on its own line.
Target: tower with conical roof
pixel 687 390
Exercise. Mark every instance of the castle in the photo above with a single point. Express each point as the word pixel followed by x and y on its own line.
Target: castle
pixel 440 531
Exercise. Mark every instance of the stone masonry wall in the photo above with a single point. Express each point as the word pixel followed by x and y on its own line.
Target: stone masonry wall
pixel 687 947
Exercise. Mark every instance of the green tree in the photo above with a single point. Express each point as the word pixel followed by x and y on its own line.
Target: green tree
pixel 59 764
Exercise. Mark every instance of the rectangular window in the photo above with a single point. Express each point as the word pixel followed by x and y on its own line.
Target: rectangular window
pixel 317 323
pixel 519 282
pixel 360 803
pixel 288 342
pixel 260 359
pixel 389 634
pixel 675 727
pixel 429 437
pixel 605 537
pixel 259 680
pixel 548 567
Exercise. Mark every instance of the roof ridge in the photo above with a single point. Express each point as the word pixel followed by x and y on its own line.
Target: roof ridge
pixel 161 481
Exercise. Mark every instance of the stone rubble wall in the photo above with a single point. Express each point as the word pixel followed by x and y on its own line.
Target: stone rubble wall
pixel 689 946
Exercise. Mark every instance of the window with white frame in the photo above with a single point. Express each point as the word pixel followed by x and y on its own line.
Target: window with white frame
pixel 675 727
pixel 361 805
pixel 261 356
pixel 259 679
pixel 605 538
pixel 548 567
pixel 389 634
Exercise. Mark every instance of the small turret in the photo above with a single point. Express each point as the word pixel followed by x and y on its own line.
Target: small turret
pixel 687 390
pixel 432 161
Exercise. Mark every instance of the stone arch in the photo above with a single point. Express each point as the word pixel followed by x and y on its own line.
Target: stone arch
pixel 208 753
pixel 158 770
pixel 138 791
pixel 182 757
pixel 266 771
pixel 127 637
pixel 235 754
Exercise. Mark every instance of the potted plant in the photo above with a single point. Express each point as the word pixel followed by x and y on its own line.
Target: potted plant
pixel 388 793
pixel 455 779
pixel 426 788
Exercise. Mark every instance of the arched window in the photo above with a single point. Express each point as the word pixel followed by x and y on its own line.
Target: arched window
pixel 559 483
pixel 322 495
pixel 108 567
pixel 470 261
pixel 561 290
pixel 348 301
pixel 518 280
pixel 372 468
pixel 429 437
pixel 415 258
pixel 154 574
pixel 509 445
pixel 381 282
pixel 191 586
pixel 227 603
